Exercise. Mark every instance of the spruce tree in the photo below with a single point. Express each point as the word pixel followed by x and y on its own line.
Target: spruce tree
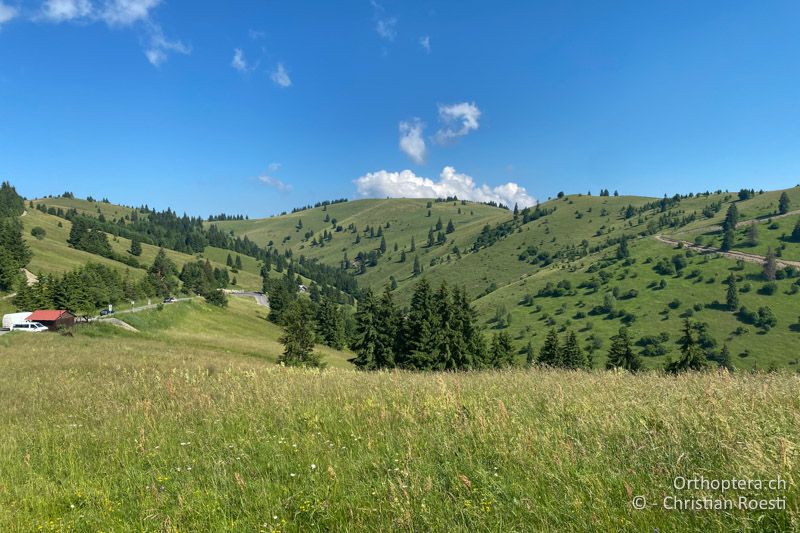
pixel 366 332
pixel 725 359
pixel 136 248
pixel 620 354
pixel 571 354
pixel 450 226
pixel 382 247
pixel 330 324
pixel 752 234
pixel 691 354
pixel 550 354
pixel 502 350
pixel 731 218
pixel 439 224
pixel 417 267
pixel 229 261
pixel 728 239
pixel 529 355
pixel 387 321
pixel 413 244
pixel 784 204
pixel 238 263
pixel 796 231
pixel 419 329
pixel 622 251
pixel 299 338
pixel 770 265
pixel 732 294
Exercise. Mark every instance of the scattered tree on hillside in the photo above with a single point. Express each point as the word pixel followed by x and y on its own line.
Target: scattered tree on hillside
pixel 502 352
pixel 732 294
pixel 770 265
pixel 621 354
pixel 784 204
pixel 691 354
pixel 572 356
pixel 163 274
pixel 417 267
pixel 299 338
pixel 550 354
pixel 136 248
pixel 752 234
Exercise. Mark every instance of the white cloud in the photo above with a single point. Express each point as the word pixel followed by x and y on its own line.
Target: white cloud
pixel 458 120
pixel 280 76
pixel 7 13
pixel 62 10
pixel 239 62
pixel 270 180
pixel 273 167
pixel 411 140
pixel 386 28
pixel 255 35
pixel 126 12
pixel 425 42
pixel 406 184
pixel 159 45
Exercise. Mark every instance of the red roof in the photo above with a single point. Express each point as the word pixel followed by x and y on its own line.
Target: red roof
pixel 45 316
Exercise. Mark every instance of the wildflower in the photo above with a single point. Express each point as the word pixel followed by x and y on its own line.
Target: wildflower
pixel 313 466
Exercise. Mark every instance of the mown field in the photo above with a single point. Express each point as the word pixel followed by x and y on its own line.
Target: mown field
pixel 102 435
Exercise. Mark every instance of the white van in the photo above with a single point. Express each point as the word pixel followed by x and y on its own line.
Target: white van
pixel 29 327
pixel 14 318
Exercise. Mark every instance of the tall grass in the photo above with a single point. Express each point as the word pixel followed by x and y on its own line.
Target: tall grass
pixel 187 441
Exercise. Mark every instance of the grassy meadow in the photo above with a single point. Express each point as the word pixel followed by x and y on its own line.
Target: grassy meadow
pixel 144 435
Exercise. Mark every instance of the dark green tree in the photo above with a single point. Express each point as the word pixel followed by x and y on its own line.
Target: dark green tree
pixel 621 354
pixel 550 354
pixel 163 274
pixel 298 339
pixel 502 350
pixel 784 204
pixel 691 353
pixel 136 248
pixel 571 354
pixel 417 267
pixel 732 294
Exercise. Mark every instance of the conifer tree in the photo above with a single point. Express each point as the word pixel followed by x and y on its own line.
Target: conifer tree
pixel 691 355
pixel 366 333
pixel 330 324
pixel 731 218
pixel 417 267
pixel 752 234
pixel 382 247
pixel 784 204
pixel 387 321
pixel 439 224
pixel 413 245
pixel 732 294
pixel 502 350
pixel 621 354
pixel 402 256
pixel 431 240
pixel 550 354
pixel 571 354
pixel 450 227
pixel 229 261
pixel 770 265
pixel 622 251
pixel 162 274
pixel 529 355
pixel 728 239
pixel 725 359
pixel 136 248
pixel 419 328
pixel 238 263
pixel 299 338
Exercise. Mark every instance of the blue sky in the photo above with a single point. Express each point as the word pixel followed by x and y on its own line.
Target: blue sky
pixel 258 106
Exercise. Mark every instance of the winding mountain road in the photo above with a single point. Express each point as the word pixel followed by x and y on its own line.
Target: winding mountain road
pixel 750 258
pixel 260 298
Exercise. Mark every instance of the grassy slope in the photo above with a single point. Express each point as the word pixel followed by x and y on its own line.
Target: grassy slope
pixel 140 436
pixel 53 255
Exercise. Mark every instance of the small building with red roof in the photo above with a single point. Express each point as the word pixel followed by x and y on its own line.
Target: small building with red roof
pixel 53 319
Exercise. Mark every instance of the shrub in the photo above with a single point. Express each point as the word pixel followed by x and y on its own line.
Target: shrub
pixel 38 232
pixel 768 289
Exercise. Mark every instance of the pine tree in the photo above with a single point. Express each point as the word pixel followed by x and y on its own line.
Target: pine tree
pixel 732 295
pixel 238 263
pixel 229 261
pixel 387 322
pixel 731 218
pixel 298 339
pixel 450 227
pixel 163 274
pixel 402 256
pixel 439 224
pixel 550 354
pixel 784 204
pixel 571 354
pixel 622 251
pixel 796 231
pixel 413 245
pixel 770 265
pixel 330 324
pixel 431 240
pixel 691 355
pixel 620 354
pixel 382 247
pixel 136 248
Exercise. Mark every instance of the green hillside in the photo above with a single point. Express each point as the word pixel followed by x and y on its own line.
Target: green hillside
pixel 52 254
pixel 579 235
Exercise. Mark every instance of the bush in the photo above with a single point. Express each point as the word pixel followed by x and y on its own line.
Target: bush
pixel 768 289
pixel 38 232
pixel 216 298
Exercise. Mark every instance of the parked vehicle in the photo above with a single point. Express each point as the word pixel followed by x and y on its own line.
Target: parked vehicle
pixel 170 300
pixel 30 327
pixel 14 318
pixel 106 312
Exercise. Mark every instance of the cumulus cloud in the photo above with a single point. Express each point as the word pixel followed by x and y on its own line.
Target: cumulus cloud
pixel 239 62
pixel 412 141
pixel 270 180
pixel 7 13
pixel 385 26
pixel 425 42
pixel 126 12
pixel 406 184
pixel 458 120
pixel 280 76
pixel 63 10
